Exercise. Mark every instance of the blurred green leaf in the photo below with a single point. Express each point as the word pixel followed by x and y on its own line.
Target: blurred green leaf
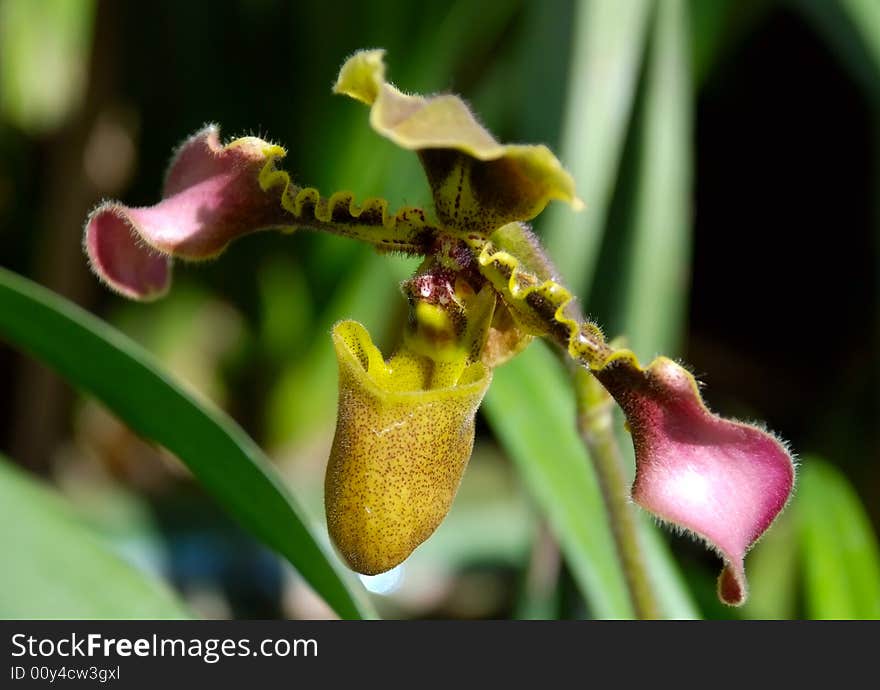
pixel 304 399
pixel 708 23
pixel 190 332
pixel 772 568
pixel 285 306
pixel 852 29
pixel 608 46
pixel 865 16
pixel 657 276
pixel 531 409
pixel 609 43
pixel 540 591
pixel 229 465
pixel 670 589
pixel 55 566
pixel 841 558
pixel 718 27
pixel 44 51
pixel 657 268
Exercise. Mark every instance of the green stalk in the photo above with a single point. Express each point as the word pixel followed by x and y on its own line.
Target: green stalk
pixel 595 423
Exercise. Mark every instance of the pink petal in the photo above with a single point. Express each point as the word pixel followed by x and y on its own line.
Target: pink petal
pixel 212 195
pixel 725 481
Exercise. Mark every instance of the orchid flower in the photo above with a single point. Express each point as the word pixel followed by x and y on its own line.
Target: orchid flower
pixel 405 425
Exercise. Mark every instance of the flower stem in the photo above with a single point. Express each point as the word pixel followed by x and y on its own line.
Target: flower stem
pixel 596 427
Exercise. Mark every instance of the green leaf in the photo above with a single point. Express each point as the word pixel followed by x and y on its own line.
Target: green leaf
pixel 303 400
pixel 44 51
pixel 654 292
pixel 101 361
pixel 55 566
pixel 608 45
pixel 530 406
pixel 709 21
pixel 673 596
pixel 841 558
pixel 865 16
pixel 773 568
pixel 658 268
pixel 852 29
pixel 651 298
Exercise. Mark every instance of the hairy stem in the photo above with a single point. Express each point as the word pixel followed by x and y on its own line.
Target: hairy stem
pixel 596 426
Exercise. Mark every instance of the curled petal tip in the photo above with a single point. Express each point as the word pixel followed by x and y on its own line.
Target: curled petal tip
pixel 127 265
pixel 362 75
pixel 212 195
pixel 722 480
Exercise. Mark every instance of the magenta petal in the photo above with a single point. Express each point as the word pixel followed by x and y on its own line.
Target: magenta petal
pixel 724 481
pixel 130 267
pixel 212 195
